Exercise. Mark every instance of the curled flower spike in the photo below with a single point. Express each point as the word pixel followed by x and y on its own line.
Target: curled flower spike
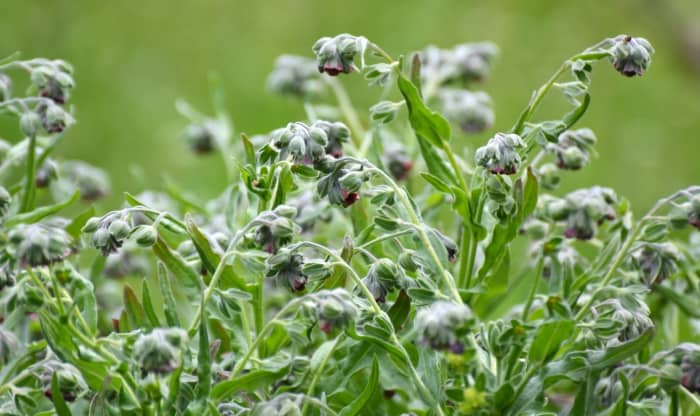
pixel 336 55
pixel 337 133
pixel 53 82
pixel 463 64
pixel 500 155
pixel 583 210
pixel 398 162
pixel 286 268
pixel 108 233
pixel 40 244
pixel 296 76
pixel 159 351
pixel 334 309
pixel 573 148
pixel 92 182
pixel 305 144
pixel 70 381
pixel 631 56
pixel 341 186
pixel 442 324
pixel 382 278
pixel 471 111
pixel 657 261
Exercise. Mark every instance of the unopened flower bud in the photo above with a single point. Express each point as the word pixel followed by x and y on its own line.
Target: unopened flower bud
pixel 398 162
pixel 449 244
pixel 102 237
pixel 334 309
pixel 40 244
pixel 548 175
pixel 145 235
pixel 472 111
pixel 335 55
pixel 119 229
pixel 407 260
pixel 331 187
pixel 47 173
pixel 30 123
pixel 295 76
pixel 384 112
pixel 631 56
pixel 336 133
pixel 382 278
pixel 442 324
pixel 91 225
pixel 54 118
pixel 657 262
pixel 92 182
pixel 160 350
pixel 500 155
pixel 70 381
pixel 200 137
pixel 287 269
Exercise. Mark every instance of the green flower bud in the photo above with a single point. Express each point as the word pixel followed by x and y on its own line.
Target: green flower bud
pixel 286 268
pixel 54 119
pixel 91 225
pixel 336 134
pixel 40 244
pixel 334 309
pixel 670 376
pixel 53 82
pixel 286 404
pixel 296 76
pixel 30 123
pixel 631 56
pixel 657 262
pixel 305 144
pixel 442 324
pixel 145 235
pixel 384 112
pixel 472 111
pixel 200 137
pixel 330 186
pixel 382 278
pixel 335 55
pixel 407 261
pixel 47 173
pixel 70 381
pixel 120 229
pixel 548 176
pixel 287 211
pixel 92 182
pixel 500 155
pixel 573 148
pixel 159 351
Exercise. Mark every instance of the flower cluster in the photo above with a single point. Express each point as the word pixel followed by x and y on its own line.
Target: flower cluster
pixel 336 55
pixel 286 268
pixel 276 228
pixel 501 155
pixel 656 262
pixel 159 351
pixel 630 56
pixel 463 64
pixel 582 210
pixel 296 76
pixel 442 324
pixel 382 278
pixel 573 148
pixel 41 244
pixel 471 111
pixel 333 309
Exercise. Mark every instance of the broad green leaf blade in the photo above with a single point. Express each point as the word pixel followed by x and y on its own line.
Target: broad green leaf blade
pixel 40 213
pixel 134 309
pixel 57 397
pixel 203 363
pixel 425 122
pixel 166 291
pixel 548 338
pixel 76 225
pixel 176 264
pixel 356 406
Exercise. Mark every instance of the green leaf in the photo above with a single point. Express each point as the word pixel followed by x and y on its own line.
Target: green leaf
pixel 585 401
pixel 203 363
pixel 211 260
pixel 167 222
pixel 148 305
pixel 425 122
pixel 249 150
pixel 57 397
pixel 359 403
pixel 399 311
pixel 437 183
pixel 40 213
pixel 176 264
pixel 529 195
pixel 687 303
pixel 435 162
pixel 134 310
pixel 74 229
pixel 600 360
pixel 166 291
pixel 548 338
pixel 251 381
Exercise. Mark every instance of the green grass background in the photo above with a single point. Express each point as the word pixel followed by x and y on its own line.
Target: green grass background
pixel 134 58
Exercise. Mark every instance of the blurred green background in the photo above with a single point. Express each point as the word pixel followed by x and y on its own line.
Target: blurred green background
pixel 134 58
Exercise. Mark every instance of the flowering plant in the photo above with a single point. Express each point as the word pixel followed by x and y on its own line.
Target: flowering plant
pixel 356 263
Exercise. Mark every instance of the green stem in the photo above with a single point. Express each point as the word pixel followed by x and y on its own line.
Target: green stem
pixel 259 314
pixel 319 370
pixel 533 290
pixel 30 184
pixel 358 132
pixel 385 237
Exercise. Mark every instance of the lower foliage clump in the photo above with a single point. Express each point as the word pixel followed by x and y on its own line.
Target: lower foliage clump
pixel 355 263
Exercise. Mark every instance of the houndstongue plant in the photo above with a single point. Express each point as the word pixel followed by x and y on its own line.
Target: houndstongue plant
pixel 356 263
